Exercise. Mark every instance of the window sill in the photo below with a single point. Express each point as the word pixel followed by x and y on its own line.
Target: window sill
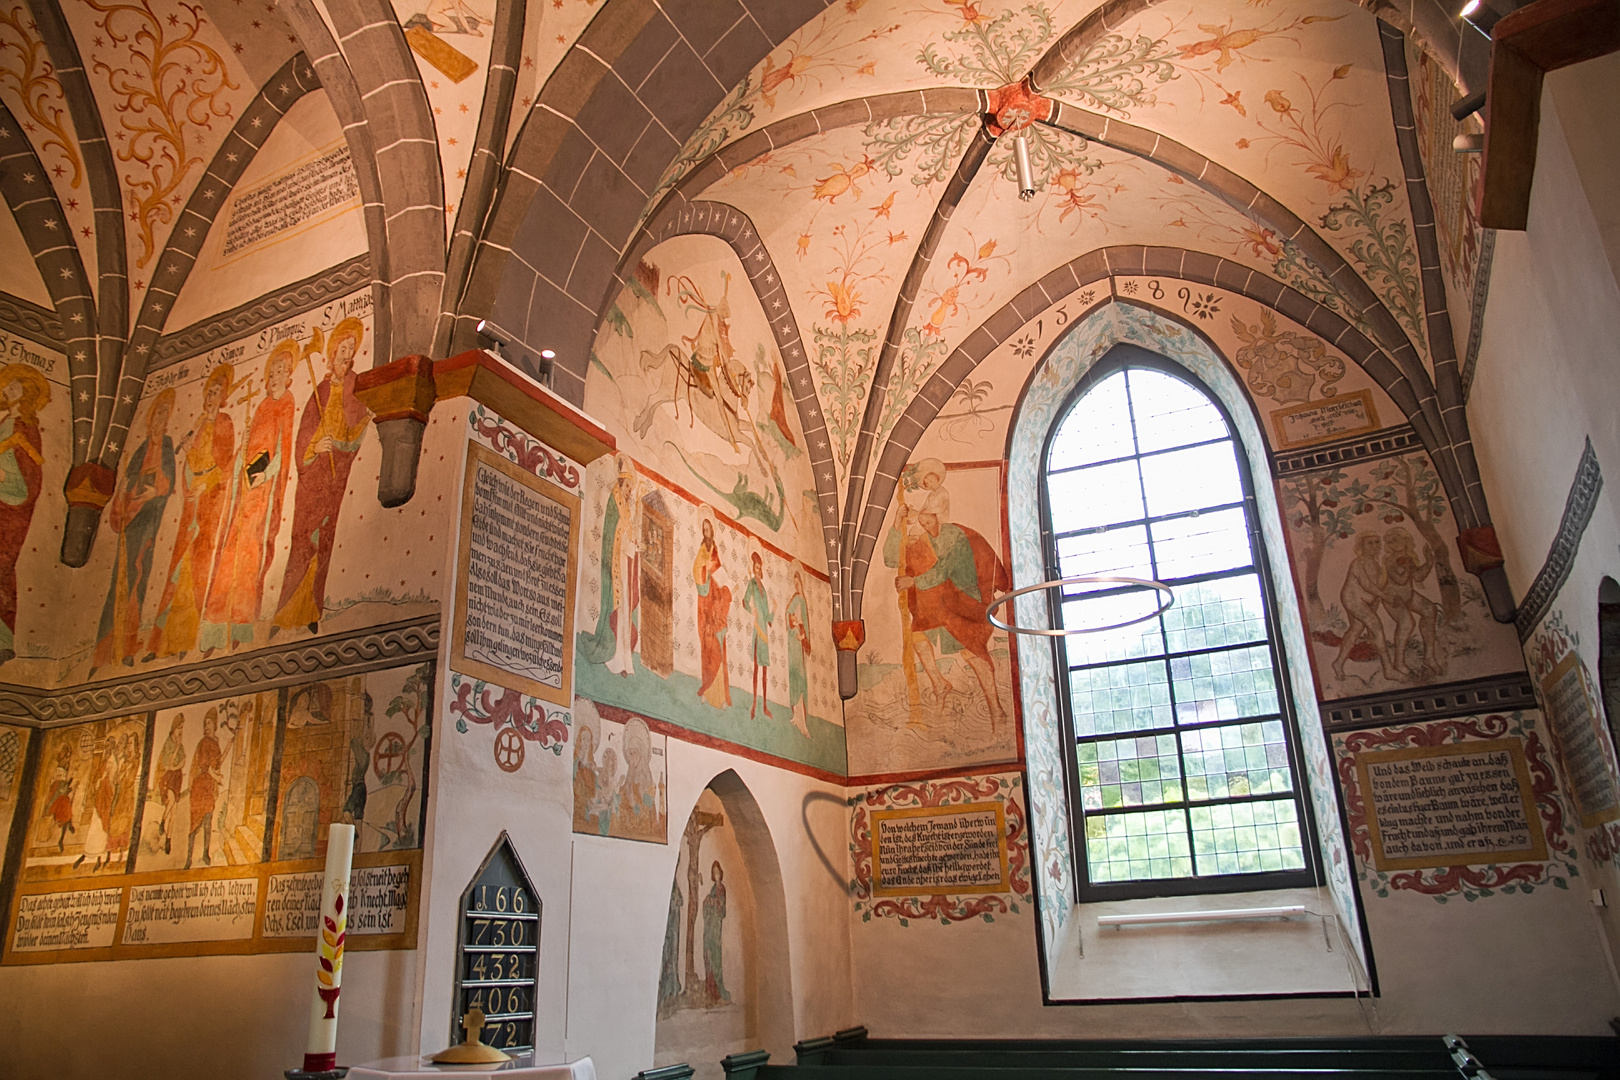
pixel 1299 955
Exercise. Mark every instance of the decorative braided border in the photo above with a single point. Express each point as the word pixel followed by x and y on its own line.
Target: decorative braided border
pixel 1583 496
pixel 245 320
pixel 364 650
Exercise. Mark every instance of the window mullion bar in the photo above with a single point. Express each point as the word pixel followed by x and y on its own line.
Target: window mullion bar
pixel 1139 452
pixel 1164 637
pixel 1150 519
pixel 1233 800
pixel 1235 646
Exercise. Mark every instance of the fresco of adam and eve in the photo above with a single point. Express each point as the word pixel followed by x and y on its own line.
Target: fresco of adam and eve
pixel 222 523
pixel 1373 547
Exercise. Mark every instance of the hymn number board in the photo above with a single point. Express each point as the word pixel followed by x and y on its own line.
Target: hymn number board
pixel 499 956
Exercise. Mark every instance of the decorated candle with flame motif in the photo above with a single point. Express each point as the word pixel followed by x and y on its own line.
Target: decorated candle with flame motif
pixel 321 1054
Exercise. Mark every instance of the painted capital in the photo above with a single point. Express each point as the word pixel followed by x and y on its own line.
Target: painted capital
pixel 849 635
pixel 400 396
pixel 398 391
pixel 89 487
pixel 90 484
pixel 1480 549
pixel 1014 107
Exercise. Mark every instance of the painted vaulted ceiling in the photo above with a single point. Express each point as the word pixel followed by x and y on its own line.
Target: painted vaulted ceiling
pixel 550 166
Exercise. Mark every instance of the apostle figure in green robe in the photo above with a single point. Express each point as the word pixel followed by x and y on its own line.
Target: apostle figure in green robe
pixel 798 620
pixel 614 641
pixel 756 603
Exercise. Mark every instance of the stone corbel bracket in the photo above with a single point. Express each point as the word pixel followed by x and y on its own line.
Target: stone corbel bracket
pixel 401 396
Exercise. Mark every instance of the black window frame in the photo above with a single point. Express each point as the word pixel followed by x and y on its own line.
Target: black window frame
pixel 1119 359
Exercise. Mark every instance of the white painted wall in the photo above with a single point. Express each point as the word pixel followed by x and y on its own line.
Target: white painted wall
pixel 244 1017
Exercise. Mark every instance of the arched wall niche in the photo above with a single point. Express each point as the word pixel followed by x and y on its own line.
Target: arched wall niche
pixel 725 977
pixel 1609 653
pixel 1104 333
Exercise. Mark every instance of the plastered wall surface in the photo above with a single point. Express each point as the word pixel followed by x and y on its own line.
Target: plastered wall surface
pixel 1547 357
pixel 260 1000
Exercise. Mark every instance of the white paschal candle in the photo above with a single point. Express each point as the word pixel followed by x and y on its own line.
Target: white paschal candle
pixel 321 1056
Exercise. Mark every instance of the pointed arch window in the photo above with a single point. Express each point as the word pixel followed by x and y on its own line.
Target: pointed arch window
pixel 1184 775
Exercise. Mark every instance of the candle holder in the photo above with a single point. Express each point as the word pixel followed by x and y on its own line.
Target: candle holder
pixel 320 1057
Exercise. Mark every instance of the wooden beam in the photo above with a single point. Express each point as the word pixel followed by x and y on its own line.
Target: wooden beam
pixel 1525 45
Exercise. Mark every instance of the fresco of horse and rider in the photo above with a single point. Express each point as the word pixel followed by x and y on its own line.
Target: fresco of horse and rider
pixel 687 374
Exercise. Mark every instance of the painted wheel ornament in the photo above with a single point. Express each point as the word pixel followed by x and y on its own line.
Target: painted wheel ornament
pixel 509 750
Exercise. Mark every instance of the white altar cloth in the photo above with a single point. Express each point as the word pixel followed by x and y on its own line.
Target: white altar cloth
pixel 521 1067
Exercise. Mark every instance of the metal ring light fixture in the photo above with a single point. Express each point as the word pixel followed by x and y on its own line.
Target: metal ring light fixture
pixel 1169 598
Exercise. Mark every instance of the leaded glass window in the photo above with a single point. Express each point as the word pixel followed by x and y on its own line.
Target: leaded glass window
pixel 1184 775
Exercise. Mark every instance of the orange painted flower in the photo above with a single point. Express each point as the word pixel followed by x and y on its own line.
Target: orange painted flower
pixel 845 303
pixel 1278 103
pixel 1336 172
pixel 1263 241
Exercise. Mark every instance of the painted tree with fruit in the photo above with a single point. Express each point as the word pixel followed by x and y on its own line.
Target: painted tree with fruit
pixel 1321 512
pixel 1322 509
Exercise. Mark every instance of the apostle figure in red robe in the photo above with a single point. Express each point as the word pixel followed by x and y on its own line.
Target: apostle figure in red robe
pixel 713 617
pixel 329 437
pixel 205 460
pixel 236 593
pixel 23 392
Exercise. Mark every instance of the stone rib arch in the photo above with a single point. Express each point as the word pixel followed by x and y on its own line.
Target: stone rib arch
pixel 280 92
pixel 338 82
pixel 736 228
pixel 1430 26
pixel 43 224
pixel 410 176
pixel 484 170
pixel 772 137
pixel 112 255
pixel 899 319
pixel 1099 265
pixel 1437 321
pixel 633 88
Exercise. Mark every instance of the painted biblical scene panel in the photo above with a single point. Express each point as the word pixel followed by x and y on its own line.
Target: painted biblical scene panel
pixel 200 829
pixel 243 511
pixel 83 816
pixel 354 753
pixel 13 755
pixel 620 768
pixel 705 976
pixel 691 617
pixel 935 677
pixel 686 374
pixel 208 778
pixel 1385 601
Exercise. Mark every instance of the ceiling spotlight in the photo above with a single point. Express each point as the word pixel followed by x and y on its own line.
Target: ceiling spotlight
pixel 548 354
pixel 1026 174
pixel 1482 16
pixel 487 329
